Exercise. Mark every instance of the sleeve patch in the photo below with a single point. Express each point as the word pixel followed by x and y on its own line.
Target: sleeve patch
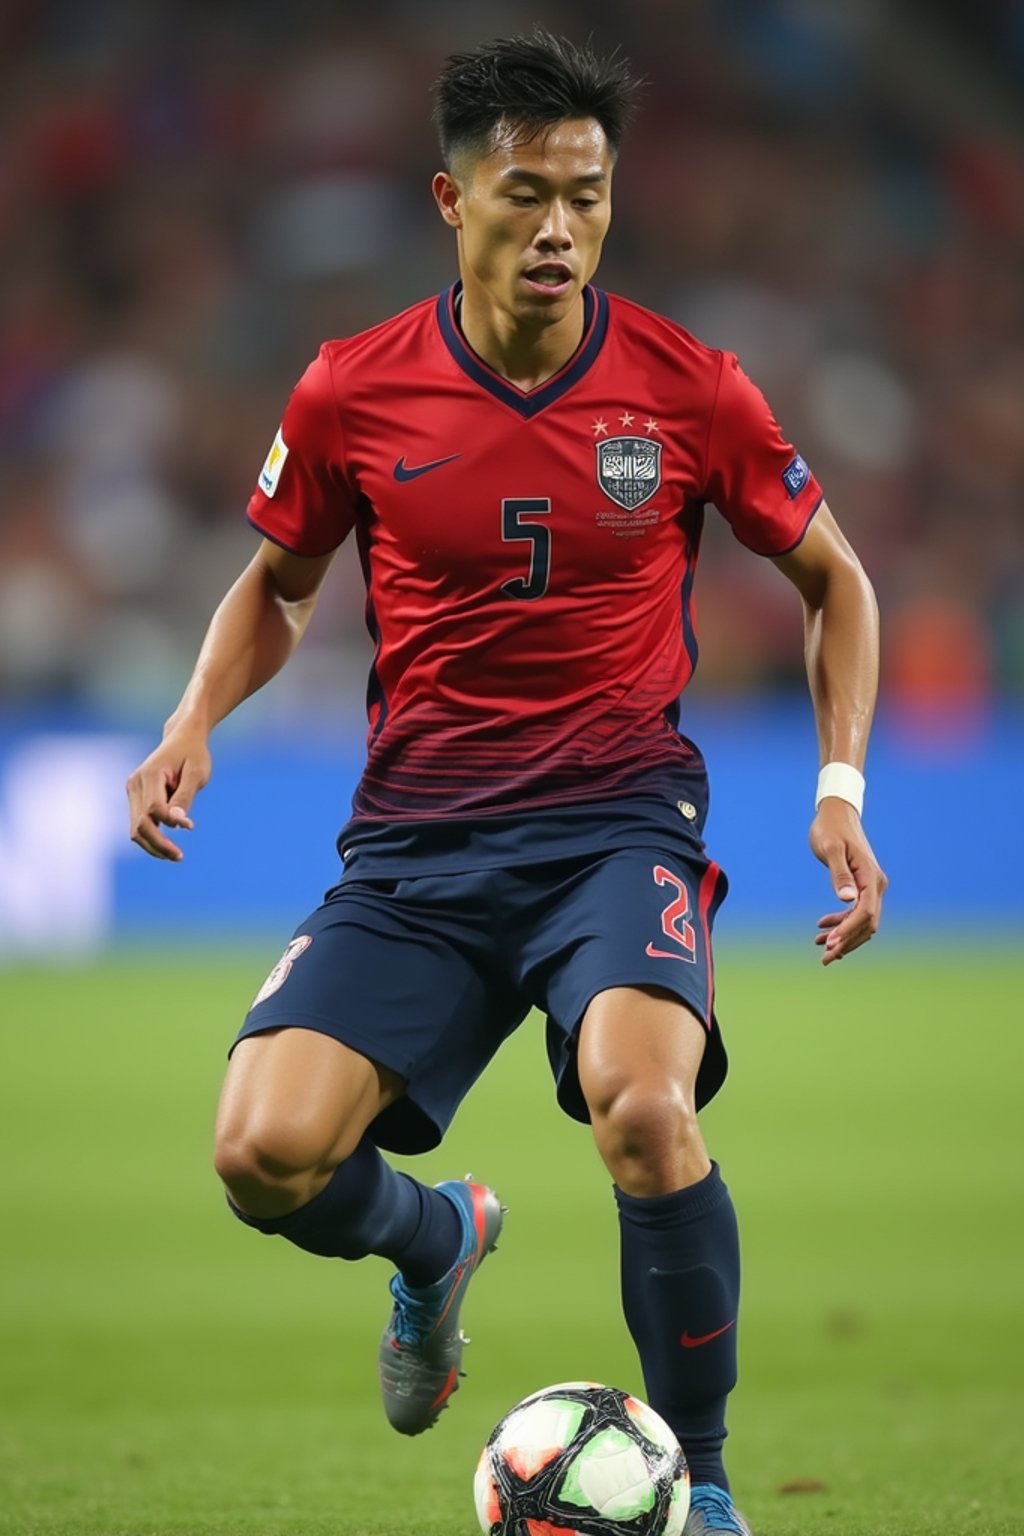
pixel 270 474
pixel 794 477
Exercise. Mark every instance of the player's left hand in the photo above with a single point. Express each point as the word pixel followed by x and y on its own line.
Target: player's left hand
pixel 838 840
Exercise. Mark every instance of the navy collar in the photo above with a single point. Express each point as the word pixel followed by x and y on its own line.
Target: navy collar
pixel 526 403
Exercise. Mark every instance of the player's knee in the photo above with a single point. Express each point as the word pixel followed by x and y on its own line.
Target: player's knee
pixel 646 1128
pixel 271 1155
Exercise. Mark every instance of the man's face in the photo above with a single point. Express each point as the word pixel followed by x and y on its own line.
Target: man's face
pixel 531 218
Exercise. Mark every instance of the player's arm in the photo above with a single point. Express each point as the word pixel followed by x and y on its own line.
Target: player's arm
pixel 841 650
pixel 255 629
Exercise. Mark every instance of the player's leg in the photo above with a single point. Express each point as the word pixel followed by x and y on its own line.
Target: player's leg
pixel 295 1103
pixel 639 1052
pixel 636 1052
pixel 638 1055
pixel 292 1151
pixel 345 1046
pixel 295 1157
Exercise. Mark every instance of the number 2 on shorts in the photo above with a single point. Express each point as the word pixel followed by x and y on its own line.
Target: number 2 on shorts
pixel 675 924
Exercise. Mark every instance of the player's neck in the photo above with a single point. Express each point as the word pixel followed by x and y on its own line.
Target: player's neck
pixel 523 355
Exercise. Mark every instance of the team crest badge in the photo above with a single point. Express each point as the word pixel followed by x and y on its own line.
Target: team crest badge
pixel 629 470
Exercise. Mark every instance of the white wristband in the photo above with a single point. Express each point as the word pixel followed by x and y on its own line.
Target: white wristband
pixel 844 782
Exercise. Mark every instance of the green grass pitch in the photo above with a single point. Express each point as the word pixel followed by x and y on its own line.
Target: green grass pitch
pixel 165 1372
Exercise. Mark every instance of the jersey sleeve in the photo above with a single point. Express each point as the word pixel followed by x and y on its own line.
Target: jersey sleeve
pixel 303 498
pixel 755 478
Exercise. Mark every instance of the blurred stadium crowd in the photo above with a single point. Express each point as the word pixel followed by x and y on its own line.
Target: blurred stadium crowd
pixel 194 195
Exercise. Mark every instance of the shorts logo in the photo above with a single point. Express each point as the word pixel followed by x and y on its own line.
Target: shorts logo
pixel 270 474
pixel 629 469
pixel 279 975
pixel 795 476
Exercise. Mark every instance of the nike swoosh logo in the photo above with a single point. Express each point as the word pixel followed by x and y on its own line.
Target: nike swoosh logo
pixel 689 1342
pixel 405 471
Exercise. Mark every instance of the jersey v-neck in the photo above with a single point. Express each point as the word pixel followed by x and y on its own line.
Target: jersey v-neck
pixel 526 403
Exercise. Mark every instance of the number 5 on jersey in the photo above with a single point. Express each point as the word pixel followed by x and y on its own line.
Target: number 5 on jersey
pixel 675 923
pixel 517 526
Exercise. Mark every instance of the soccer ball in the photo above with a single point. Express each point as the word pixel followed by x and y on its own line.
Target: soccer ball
pixel 580 1459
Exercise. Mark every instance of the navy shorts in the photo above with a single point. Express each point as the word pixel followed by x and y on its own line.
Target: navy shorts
pixel 428 973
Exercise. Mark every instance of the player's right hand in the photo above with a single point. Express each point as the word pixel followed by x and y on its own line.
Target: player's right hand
pixel 161 791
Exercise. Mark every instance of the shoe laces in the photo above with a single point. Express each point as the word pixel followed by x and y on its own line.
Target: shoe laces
pixel 414 1315
pixel 717 1508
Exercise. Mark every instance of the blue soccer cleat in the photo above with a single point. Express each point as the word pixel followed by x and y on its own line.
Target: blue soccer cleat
pixel 712 1512
pixel 421 1349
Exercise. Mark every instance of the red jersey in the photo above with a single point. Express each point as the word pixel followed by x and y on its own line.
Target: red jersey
pixel 529 556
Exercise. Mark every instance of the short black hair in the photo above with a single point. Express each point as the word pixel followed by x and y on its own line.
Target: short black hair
pixel 529 83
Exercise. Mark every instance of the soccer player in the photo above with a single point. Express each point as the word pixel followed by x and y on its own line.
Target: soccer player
pixel 525 461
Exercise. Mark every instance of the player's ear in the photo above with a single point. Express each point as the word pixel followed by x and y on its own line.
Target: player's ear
pixel 448 198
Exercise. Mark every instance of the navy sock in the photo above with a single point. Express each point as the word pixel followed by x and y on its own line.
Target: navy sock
pixel 366 1207
pixel 680 1294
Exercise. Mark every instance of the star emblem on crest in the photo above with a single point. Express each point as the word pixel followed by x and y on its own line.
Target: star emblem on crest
pixel 600 427
pixel 650 425
pixel 627 419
